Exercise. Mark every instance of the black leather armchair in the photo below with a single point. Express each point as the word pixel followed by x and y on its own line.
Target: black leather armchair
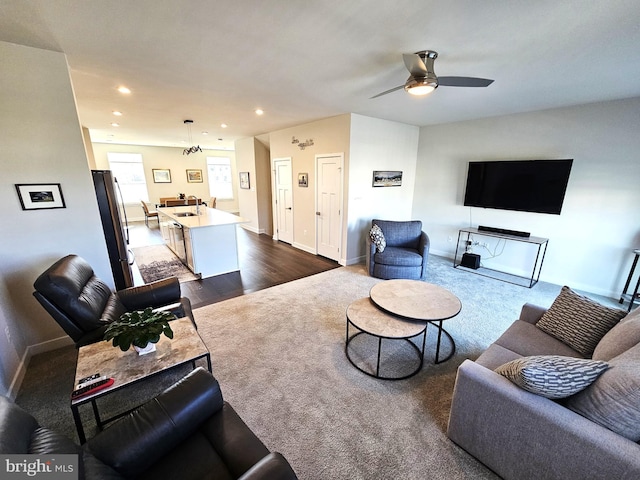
pixel 84 305
pixel 187 432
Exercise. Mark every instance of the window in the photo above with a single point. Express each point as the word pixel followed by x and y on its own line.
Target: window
pixel 219 169
pixel 127 168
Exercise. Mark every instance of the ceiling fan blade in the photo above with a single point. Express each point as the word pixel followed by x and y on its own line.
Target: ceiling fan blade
pixel 463 82
pixel 387 91
pixel 415 64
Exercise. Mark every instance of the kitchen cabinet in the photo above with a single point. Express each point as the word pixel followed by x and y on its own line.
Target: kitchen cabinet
pixel 207 242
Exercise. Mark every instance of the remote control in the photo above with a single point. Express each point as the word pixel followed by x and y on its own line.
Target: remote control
pixel 90 382
pixel 89 378
pixel 92 388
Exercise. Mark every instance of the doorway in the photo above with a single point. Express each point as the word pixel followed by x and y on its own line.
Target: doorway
pixel 284 199
pixel 329 169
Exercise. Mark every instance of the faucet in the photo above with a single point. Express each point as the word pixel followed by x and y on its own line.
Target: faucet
pixel 197 203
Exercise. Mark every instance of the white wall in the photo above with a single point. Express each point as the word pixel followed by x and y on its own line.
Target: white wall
pixel 378 145
pixel 41 141
pixel 170 158
pixel 591 241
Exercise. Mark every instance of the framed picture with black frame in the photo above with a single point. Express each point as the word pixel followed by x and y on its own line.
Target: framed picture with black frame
pixel 40 196
pixel 387 178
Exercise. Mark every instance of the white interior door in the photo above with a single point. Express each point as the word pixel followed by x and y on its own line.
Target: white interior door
pixel 329 205
pixel 284 202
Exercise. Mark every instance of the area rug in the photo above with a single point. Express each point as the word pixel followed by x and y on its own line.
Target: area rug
pixel 156 262
pixel 279 357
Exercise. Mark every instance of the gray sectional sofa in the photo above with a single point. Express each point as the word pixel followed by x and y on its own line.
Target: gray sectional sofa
pixel 523 435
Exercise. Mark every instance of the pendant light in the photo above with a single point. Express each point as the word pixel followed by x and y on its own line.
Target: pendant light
pixel 192 149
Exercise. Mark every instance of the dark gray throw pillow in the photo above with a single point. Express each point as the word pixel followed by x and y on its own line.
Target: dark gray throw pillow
pixel 578 321
pixel 552 376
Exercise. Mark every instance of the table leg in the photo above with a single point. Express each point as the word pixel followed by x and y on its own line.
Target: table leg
pixel 628 282
pixel 78 422
pixel 453 344
pixel 379 349
pixel 96 414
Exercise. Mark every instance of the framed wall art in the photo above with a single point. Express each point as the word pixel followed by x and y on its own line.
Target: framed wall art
pixel 387 178
pixel 39 196
pixel 161 175
pixel 194 176
pixel 303 179
pixel 244 180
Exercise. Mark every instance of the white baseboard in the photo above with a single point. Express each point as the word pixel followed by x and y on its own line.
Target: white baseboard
pixel 32 350
pixel 305 248
pixel 259 231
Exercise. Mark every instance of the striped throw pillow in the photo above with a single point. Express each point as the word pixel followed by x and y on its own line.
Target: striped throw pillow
pixel 552 376
pixel 578 321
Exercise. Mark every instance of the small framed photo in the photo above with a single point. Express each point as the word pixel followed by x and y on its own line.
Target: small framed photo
pixel 161 175
pixel 303 179
pixel 194 176
pixel 387 178
pixel 244 180
pixel 39 196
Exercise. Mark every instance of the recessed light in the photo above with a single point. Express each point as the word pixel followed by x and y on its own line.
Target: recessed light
pixel 123 89
pixel 223 125
pixel 259 111
pixel 117 113
pixel 114 124
pixel 205 133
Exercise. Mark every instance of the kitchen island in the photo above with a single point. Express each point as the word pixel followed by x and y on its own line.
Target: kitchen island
pixel 206 242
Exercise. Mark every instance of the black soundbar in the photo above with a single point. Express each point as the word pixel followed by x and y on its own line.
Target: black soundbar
pixel 504 231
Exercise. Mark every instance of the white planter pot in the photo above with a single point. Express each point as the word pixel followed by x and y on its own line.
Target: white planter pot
pixel 151 347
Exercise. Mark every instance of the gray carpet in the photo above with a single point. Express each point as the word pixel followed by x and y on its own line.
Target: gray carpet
pixel 279 356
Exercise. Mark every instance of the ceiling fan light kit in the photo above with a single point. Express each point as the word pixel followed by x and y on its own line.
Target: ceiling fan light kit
pixel 422 86
pixel 423 80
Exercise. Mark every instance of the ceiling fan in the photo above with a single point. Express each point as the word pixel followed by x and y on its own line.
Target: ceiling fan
pixel 423 79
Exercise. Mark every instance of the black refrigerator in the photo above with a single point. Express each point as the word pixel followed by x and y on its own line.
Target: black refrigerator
pixel 114 224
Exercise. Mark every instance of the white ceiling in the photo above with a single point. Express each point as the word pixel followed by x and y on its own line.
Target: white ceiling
pixel 216 61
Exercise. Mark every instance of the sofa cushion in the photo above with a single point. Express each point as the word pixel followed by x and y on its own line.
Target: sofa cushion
pixel 620 338
pixel 552 376
pixel 578 321
pixel 526 340
pixel 398 256
pixel 377 238
pixel 613 400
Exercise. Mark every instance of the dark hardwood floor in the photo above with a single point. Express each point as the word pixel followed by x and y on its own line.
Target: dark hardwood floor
pixel 263 263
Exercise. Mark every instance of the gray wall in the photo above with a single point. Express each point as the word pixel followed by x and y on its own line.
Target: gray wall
pixel 41 141
pixel 591 241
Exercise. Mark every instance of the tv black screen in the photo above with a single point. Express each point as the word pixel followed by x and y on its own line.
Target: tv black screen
pixel 523 185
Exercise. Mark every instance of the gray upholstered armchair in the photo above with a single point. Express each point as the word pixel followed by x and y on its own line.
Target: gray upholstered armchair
pixel 405 254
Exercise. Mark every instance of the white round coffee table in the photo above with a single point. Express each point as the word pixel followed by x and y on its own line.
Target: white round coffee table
pixel 417 300
pixel 369 319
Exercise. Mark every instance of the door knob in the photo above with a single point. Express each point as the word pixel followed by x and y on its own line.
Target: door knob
pixel 318 213
pixel 288 208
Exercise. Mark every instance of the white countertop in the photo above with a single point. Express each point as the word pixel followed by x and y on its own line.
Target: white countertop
pixel 209 217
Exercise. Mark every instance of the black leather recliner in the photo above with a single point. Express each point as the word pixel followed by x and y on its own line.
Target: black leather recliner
pixel 187 432
pixel 84 305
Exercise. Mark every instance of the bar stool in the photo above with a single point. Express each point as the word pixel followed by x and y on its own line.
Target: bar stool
pixel 634 296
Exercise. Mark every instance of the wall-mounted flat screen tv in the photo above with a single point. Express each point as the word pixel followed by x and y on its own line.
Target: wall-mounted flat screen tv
pixel 523 185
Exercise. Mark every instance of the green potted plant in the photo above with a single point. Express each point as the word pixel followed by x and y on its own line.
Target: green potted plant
pixel 141 328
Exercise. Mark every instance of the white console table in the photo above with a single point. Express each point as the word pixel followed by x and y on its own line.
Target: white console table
pixel 465 235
